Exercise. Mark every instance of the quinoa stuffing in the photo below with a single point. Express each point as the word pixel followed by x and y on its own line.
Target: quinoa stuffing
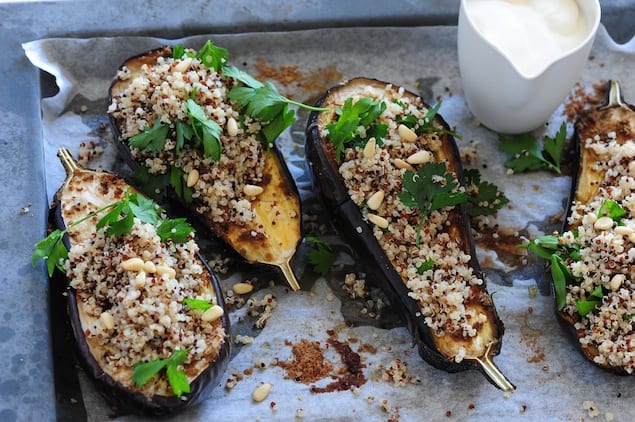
pixel 373 172
pixel 158 94
pixel 131 290
pixel 607 254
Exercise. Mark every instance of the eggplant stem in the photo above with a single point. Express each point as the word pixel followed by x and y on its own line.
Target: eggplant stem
pixel 492 372
pixel 614 96
pixel 69 163
pixel 285 267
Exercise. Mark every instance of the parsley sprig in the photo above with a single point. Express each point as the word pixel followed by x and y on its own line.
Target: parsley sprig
pixel 321 256
pixel 353 116
pixel 265 103
pixel 210 55
pixel 425 124
pixel 144 372
pixel 118 220
pixel 484 197
pixel 528 156
pixel 558 253
pixel 430 189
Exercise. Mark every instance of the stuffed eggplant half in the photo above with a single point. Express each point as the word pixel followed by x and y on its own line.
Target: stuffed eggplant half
pixel 147 314
pixel 593 260
pixel 185 119
pixel 388 167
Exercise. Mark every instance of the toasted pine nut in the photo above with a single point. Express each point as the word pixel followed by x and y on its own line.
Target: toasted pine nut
pixel 212 314
pixel 140 280
pixel 603 223
pixel 616 282
pixel 377 220
pixel 252 190
pixel 401 164
pixel 375 200
pixel 623 230
pixel 242 288
pixel 369 149
pixel 132 264
pixel 631 237
pixel 183 65
pixel 261 392
pixel 164 269
pixel 406 133
pixel 107 320
pixel 149 267
pixel 232 127
pixel 192 178
pixel 420 157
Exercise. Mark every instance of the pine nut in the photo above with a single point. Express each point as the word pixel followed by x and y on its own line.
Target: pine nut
pixel 107 320
pixel 420 157
pixel 140 280
pixel 631 237
pixel 212 314
pixel 242 288
pixel 132 264
pixel 401 164
pixel 369 149
pixel 232 127
pixel 252 190
pixel 374 202
pixel 183 65
pixel 149 267
pixel 377 220
pixel 616 282
pixel 603 223
pixel 192 178
pixel 623 230
pixel 164 269
pixel 406 134
pixel 261 392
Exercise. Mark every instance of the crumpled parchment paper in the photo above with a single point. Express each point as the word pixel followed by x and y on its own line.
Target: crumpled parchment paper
pixel 553 380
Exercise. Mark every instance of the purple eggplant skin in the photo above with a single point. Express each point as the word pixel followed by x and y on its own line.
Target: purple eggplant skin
pixel 123 400
pixel 349 222
pixel 615 115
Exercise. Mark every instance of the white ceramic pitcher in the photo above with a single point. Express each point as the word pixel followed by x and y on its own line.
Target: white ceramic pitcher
pixel 499 95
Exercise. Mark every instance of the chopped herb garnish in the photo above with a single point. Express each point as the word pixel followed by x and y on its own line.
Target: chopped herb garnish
pixel 362 113
pixel 264 102
pixel 177 181
pixel 206 131
pixel 484 198
pixel 212 56
pixel 528 155
pixel 426 123
pixel 321 256
pixel 177 229
pixel 629 317
pixel 430 189
pixel 143 372
pixel 199 304
pixel 553 249
pixel 586 306
pixel 152 138
pixel 612 209
pixel 117 221
pixel 425 266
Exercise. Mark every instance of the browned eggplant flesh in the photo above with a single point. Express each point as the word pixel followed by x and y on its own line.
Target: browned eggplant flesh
pixel 140 296
pixel 388 167
pixel 183 122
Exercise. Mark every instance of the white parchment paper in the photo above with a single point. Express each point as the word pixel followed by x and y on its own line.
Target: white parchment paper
pixel 553 380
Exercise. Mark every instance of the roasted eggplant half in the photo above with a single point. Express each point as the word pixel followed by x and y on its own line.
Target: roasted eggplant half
pixel 189 120
pixel 387 166
pixel 147 314
pixel 592 260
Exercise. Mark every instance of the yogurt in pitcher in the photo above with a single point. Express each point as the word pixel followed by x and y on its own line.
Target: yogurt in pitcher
pixel 532 34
